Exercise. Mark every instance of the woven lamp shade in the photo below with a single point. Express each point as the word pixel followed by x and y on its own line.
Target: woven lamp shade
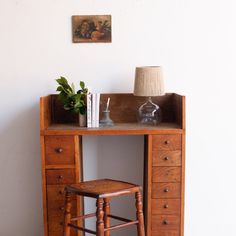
pixel 149 81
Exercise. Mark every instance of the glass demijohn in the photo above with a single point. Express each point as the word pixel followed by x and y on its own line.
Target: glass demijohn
pixel 149 113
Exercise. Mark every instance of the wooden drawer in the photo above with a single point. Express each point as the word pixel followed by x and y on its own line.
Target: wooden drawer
pixel 166 174
pixel 166 190
pixel 55 192
pixel 166 206
pixel 166 158
pixel 163 232
pixel 60 176
pixel 55 227
pixel 165 222
pixel 59 150
pixel 167 142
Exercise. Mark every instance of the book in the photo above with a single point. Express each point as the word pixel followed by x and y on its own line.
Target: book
pixel 93 110
pixel 97 110
pixel 89 110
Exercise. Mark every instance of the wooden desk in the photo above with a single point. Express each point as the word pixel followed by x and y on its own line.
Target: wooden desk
pixel 164 157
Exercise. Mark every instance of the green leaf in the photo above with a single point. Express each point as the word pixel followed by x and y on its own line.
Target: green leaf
pixel 82 84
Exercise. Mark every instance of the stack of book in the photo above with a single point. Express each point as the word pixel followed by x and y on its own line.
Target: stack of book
pixel 93 102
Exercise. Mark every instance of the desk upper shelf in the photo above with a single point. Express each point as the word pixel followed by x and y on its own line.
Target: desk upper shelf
pixel 54 120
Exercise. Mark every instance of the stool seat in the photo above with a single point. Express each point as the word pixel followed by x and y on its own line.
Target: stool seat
pixel 102 188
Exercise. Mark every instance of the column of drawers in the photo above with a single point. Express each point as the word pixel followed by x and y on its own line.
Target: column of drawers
pixel 166 185
pixel 60 168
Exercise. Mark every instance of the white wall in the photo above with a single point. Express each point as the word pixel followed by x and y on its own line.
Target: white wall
pixel 195 43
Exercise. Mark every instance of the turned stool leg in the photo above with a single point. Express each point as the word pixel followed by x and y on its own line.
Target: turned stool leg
pixel 139 214
pixel 106 208
pixel 100 215
pixel 67 214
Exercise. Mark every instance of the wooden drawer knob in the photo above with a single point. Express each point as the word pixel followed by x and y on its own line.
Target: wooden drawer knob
pixel 59 150
pixel 167 142
pixel 166 158
pixel 165 222
pixel 166 190
pixel 166 206
pixel 60 177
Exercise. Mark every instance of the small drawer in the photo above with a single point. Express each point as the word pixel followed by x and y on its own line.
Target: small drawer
pixel 169 142
pixel 57 208
pixel 56 192
pixel 166 158
pixel 55 226
pixel 60 176
pixel 166 206
pixel 166 174
pixel 163 232
pixel 166 190
pixel 165 222
pixel 59 150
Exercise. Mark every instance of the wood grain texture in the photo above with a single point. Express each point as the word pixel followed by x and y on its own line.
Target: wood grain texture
pixel 117 129
pixel 168 142
pixel 60 176
pixel 166 190
pixel 164 232
pixel 45 112
pixel 44 193
pixel 165 222
pixel 166 174
pixel 121 104
pixel 166 206
pixel 166 158
pixel 59 150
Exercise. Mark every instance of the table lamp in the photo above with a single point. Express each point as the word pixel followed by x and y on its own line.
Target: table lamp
pixel 149 83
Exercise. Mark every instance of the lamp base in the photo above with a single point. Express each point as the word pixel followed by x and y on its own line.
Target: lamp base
pixel 149 113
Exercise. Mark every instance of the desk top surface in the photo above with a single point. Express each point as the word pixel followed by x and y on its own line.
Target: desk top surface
pixel 117 129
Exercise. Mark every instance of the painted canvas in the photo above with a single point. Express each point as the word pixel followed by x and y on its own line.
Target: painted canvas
pixel 91 29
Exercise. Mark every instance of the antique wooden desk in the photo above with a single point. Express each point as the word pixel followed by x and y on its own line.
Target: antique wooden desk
pixel 164 159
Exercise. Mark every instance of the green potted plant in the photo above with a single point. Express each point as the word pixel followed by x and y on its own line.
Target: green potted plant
pixel 73 100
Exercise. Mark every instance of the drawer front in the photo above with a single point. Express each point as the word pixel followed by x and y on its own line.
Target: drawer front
pixel 55 192
pixel 166 174
pixel 165 222
pixel 166 190
pixel 166 158
pixel 60 176
pixel 166 206
pixel 166 233
pixel 59 150
pixel 167 142
pixel 55 227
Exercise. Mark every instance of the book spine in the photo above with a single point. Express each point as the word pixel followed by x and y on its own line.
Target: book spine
pixel 93 110
pixel 89 111
pixel 97 108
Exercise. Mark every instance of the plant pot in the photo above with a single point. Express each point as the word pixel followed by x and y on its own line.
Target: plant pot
pixel 82 120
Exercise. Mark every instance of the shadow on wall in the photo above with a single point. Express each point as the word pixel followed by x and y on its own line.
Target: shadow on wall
pixel 115 157
pixel 20 176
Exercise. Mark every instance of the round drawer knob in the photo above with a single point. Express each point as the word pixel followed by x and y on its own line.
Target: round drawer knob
pixel 59 150
pixel 166 190
pixel 167 142
pixel 165 222
pixel 60 192
pixel 61 208
pixel 60 177
pixel 166 158
pixel 166 206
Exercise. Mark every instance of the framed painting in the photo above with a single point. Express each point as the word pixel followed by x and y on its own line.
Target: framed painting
pixel 91 29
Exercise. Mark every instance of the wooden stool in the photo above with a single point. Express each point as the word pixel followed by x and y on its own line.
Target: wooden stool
pixel 103 190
